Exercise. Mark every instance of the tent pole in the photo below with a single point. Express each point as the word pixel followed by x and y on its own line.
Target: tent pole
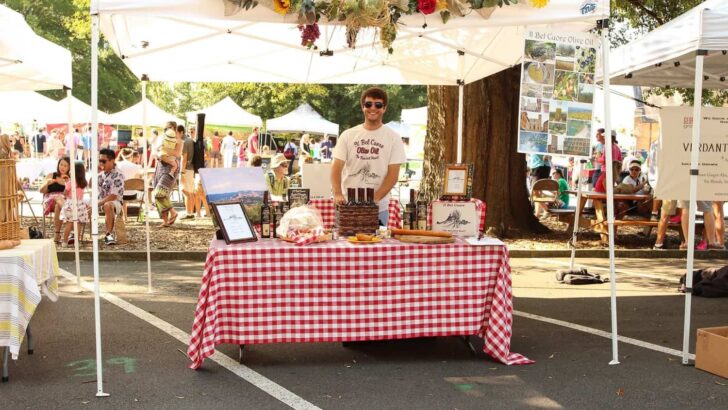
pixel 145 205
pixel 74 199
pixel 95 192
pixel 461 92
pixel 694 166
pixel 604 26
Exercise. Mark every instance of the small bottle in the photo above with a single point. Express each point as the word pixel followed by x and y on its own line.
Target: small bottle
pixel 277 216
pixel 421 215
pixel 265 217
pixel 360 196
pixel 285 206
pixel 370 196
pixel 412 208
pixel 406 218
pixel 351 196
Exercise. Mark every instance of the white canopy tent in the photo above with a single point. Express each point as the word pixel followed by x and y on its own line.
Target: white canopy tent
pixel 25 57
pixel 302 119
pixel 24 106
pixel 689 51
pixel 79 113
pixel 260 45
pixel 134 115
pixel 226 112
pixel 667 56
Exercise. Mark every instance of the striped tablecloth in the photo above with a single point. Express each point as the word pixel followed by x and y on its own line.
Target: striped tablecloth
pixel 328 212
pixel 24 271
pixel 274 292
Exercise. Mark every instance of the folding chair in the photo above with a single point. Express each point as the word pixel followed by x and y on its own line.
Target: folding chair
pixel 134 184
pixel 544 190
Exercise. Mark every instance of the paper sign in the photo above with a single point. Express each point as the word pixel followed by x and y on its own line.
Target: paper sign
pixel 317 178
pixel 458 218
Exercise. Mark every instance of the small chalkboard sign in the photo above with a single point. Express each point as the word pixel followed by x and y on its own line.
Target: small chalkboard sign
pixel 298 196
pixel 265 163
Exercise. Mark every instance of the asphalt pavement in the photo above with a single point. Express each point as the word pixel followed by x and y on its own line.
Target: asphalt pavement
pixel 561 327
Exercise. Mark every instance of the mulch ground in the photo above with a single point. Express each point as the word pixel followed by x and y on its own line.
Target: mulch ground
pixel 195 235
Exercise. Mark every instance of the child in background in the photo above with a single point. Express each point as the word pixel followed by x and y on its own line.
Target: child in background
pixel 81 207
pixel 167 148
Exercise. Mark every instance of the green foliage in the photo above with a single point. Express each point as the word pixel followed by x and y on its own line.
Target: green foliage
pixel 67 23
pixel 637 17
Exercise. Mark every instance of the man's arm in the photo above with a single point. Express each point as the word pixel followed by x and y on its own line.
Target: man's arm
pixel 336 167
pixel 389 180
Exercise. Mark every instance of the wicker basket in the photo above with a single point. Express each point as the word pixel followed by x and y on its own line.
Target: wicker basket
pixel 9 214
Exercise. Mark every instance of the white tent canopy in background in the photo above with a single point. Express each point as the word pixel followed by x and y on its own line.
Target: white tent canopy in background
pixel 133 115
pixel 415 116
pixel 260 45
pixel 28 61
pixel 80 113
pixel 302 119
pixel 227 112
pixel 653 59
pixel 24 107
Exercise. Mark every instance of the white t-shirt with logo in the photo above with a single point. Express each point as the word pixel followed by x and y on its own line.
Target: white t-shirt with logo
pixel 367 156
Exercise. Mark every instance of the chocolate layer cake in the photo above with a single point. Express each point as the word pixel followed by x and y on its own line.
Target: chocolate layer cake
pixel 354 219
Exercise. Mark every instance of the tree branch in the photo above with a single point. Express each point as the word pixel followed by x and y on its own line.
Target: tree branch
pixel 639 4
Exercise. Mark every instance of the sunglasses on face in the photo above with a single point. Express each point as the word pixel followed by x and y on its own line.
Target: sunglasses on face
pixel 102 161
pixel 635 169
pixel 377 104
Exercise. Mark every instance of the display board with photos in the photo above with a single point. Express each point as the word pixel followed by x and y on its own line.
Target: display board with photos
pixel 557 93
pixel 245 185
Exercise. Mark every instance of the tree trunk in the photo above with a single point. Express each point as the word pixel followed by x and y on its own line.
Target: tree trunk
pixel 490 141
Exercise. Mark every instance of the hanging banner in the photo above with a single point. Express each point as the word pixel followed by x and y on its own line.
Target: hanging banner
pixel 675 148
pixel 557 92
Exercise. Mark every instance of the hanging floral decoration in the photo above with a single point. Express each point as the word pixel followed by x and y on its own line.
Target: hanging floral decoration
pixel 380 14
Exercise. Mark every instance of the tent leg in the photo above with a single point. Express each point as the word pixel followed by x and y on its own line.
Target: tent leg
pixel 604 25
pixel 694 165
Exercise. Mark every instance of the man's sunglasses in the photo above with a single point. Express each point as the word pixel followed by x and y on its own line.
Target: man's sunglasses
pixel 377 104
pixel 635 169
pixel 102 161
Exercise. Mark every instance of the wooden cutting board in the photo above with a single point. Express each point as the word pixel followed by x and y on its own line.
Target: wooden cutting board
pixel 424 239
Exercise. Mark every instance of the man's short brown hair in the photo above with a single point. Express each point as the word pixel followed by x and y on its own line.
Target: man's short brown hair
pixel 375 92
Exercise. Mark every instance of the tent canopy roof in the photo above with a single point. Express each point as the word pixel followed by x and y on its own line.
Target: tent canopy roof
pixel 25 57
pixel 415 116
pixel 303 119
pixel 134 115
pixel 666 55
pixel 260 45
pixel 24 106
pixel 80 113
pixel 226 112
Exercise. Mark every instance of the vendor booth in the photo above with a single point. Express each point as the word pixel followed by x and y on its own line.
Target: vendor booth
pixel 134 115
pixel 691 52
pixel 302 119
pixel 226 112
pixel 333 301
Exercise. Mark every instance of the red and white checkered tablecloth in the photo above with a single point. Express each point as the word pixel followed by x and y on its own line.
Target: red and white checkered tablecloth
pixel 338 291
pixel 328 212
pixel 480 207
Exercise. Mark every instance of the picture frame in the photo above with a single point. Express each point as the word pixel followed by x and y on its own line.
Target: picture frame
pixel 298 197
pixel 457 180
pixel 233 222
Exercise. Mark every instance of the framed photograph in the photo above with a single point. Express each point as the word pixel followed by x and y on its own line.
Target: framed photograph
pixel 456 180
pixel 233 222
pixel 298 197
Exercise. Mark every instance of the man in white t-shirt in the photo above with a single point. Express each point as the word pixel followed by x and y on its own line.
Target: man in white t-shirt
pixel 228 150
pixel 368 155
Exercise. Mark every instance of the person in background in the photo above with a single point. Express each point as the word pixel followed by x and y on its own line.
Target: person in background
pixel 597 153
pixel 539 166
pixel 561 201
pixel 111 192
pixel 253 143
pixel 306 144
pixel 290 151
pixel 169 148
pixel 19 146
pixel 719 224
pixel 165 181
pixel 228 150
pixel 188 173
pixel 215 150
pixel 368 155
pixel 255 161
pixel 326 149
pixel 86 144
pixel 243 153
pixel 55 145
pixel 81 205
pixel 276 178
pixel 39 143
pixel 52 191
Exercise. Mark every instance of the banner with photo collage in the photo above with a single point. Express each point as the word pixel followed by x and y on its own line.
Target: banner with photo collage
pixel 557 92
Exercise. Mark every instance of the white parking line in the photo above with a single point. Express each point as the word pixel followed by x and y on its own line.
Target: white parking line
pixel 603 334
pixel 256 379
